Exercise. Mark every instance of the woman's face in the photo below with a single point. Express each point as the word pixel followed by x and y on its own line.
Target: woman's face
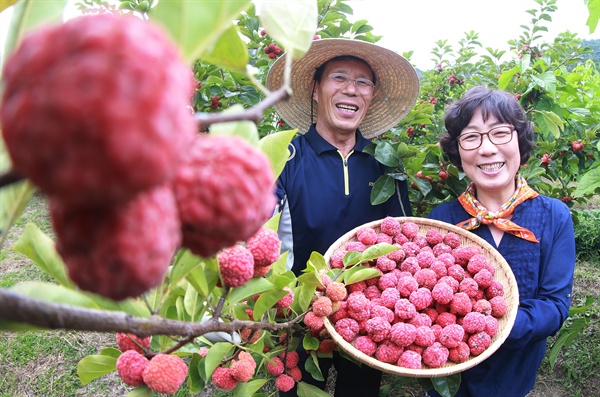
pixel 491 167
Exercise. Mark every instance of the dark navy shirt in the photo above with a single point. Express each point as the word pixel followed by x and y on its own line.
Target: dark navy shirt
pixel 324 195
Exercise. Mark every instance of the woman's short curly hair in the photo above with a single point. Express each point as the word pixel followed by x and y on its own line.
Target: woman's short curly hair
pixel 497 103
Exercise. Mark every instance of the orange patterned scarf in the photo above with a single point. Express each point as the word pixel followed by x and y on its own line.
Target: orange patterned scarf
pixel 482 216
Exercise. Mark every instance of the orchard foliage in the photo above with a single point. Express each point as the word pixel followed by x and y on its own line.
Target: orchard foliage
pixel 229 48
pixel 556 86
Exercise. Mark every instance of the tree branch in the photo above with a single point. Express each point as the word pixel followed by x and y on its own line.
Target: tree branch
pixel 10 177
pixel 253 114
pixel 23 309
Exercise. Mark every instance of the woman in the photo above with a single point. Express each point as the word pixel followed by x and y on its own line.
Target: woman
pixel 489 138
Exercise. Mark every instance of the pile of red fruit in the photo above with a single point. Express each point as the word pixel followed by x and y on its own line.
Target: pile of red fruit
pixel 435 302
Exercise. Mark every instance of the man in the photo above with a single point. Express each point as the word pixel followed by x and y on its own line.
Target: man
pixel 358 91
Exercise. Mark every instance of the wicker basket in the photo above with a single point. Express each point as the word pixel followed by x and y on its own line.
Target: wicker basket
pixel 503 275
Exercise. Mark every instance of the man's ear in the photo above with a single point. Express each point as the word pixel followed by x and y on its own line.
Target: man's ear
pixel 313 90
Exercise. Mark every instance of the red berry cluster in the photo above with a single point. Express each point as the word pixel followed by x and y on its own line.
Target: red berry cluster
pixel 454 80
pixel 125 190
pixel 163 373
pixel 241 262
pixel 285 368
pixel 215 102
pixel 240 370
pixel 577 146
pixel 546 160
pixel 436 300
pixel 272 50
pixel 533 51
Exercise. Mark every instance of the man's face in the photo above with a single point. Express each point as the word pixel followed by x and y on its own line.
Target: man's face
pixel 342 107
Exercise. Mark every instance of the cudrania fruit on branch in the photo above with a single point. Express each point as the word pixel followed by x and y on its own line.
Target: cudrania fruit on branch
pixel 96 109
pixel 224 191
pixel 118 251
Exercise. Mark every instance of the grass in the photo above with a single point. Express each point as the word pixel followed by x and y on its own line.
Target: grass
pixel 44 363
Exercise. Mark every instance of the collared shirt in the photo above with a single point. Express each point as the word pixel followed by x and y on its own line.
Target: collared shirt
pixel 324 195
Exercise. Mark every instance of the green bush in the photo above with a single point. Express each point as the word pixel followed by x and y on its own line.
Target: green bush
pixel 587 234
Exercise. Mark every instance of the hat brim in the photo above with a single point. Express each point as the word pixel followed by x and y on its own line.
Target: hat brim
pixel 396 91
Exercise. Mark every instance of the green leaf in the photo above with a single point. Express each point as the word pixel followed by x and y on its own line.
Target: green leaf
pixel 524 63
pixel 196 382
pixel 594 10
pixel 244 129
pixel 214 356
pixel 351 258
pixel 383 189
pixel 142 391
pixel 386 155
pixel 192 302
pixel 565 338
pixel 309 342
pixel 197 26
pixel 506 77
pixel 360 273
pixel 197 279
pixel 245 389
pixel 273 222
pixel 252 287
pixel 283 280
pixel 280 266
pixel 422 184
pixel 184 262
pixel 110 352
pixel 447 386
pixel 13 199
pixel 549 122
pixel 303 296
pixel 266 301
pixel 275 147
pixel 308 390
pixel 317 261
pixel 546 81
pixel 588 183
pixel 204 277
pixel 291 23
pixel 29 15
pixel 404 151
pixel 229 52
pixel 377 250
pixel 38 247
pixel 135 307
pixel 573 310
pixel 95 366
pixel 312 367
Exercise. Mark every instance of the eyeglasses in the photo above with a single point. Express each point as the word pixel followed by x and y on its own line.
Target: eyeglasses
pixel 341 80
pixel 498 136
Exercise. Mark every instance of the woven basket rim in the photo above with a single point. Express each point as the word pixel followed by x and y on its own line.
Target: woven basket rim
pixel 511 296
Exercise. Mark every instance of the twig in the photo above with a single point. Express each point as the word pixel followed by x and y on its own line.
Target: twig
pixel 16 307
pixel 10 177
pixel 217 312
pixel 253 114
pixel 179 344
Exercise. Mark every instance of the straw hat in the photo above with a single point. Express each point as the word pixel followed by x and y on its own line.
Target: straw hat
pixel 396 90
